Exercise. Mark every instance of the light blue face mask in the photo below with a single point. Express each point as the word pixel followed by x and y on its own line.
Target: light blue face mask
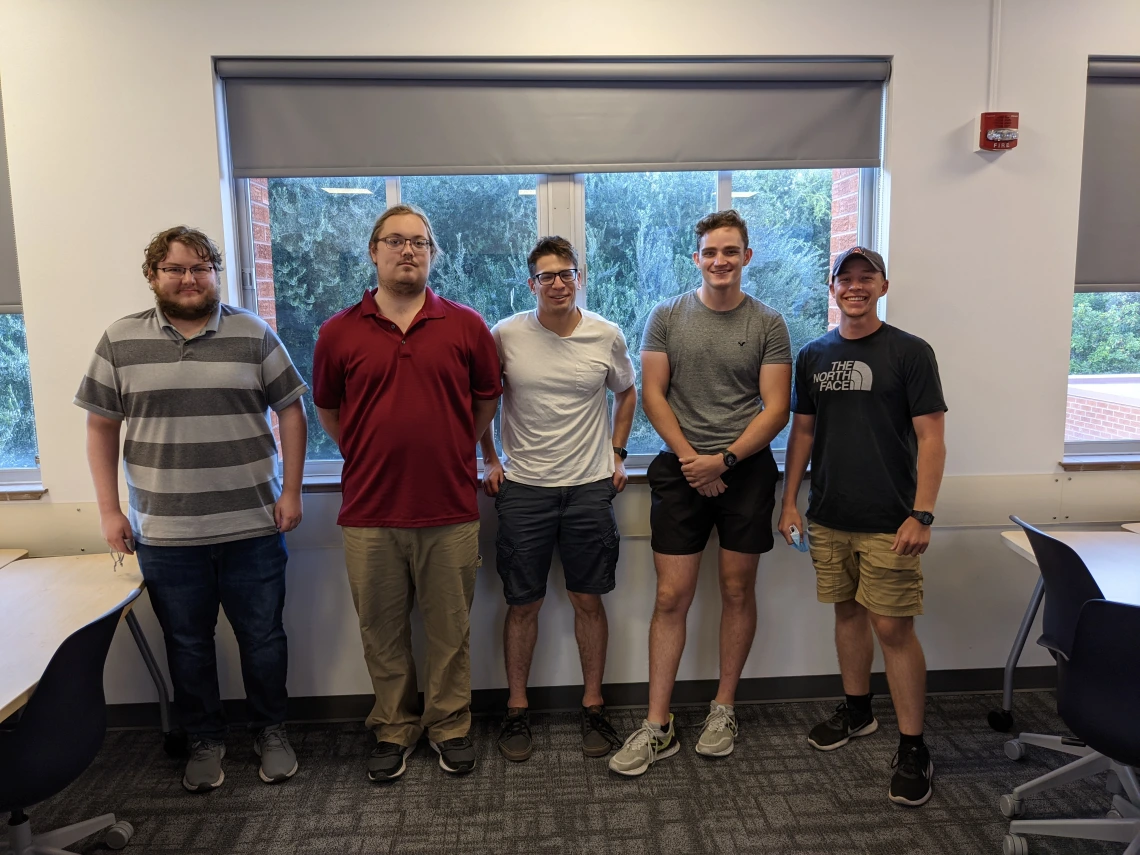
pixel 799 539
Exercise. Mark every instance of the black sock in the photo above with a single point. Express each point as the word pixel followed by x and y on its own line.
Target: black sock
pixel 905 741
pixel 860 706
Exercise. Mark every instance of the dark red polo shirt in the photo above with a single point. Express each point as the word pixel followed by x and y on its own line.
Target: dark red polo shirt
pixel 407 432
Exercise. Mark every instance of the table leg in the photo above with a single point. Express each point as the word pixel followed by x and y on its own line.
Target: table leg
pixel 1002 720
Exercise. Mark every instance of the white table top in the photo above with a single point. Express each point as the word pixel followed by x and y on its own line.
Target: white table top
pixel 7 556
pixel 44 601
pixel 1133 527
pixel 1113 558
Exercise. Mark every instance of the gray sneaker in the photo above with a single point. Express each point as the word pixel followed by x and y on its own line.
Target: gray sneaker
pixel 278 760
pixel 719 734
pixel 644 747
pixel 204 769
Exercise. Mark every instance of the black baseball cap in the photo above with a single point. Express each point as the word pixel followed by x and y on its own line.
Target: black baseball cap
pixel 872 257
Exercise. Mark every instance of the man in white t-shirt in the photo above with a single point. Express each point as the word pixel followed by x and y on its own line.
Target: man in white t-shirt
pixel 564 465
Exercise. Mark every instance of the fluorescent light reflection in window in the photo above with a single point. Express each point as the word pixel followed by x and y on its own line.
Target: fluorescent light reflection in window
pixel 347 191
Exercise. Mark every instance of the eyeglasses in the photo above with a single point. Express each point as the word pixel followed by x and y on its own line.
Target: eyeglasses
pixel 395 242
pixel 198 271
pixel 568 275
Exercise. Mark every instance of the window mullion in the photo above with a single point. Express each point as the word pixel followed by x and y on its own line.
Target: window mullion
pixel 724 190
pixel 391 192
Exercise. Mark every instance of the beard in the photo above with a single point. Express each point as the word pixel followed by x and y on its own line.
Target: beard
pixel 183 312
pixel 402 287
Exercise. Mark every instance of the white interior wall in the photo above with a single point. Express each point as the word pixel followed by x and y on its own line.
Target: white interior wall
pixel 112 135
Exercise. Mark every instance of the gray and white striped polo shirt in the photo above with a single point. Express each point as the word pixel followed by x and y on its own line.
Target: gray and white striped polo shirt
pixel 200 458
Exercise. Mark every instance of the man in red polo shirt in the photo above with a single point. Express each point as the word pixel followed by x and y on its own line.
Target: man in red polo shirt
pixel 405 382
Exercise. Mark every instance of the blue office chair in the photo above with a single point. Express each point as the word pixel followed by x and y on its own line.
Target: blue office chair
pixel 1068 586
pixel 56 738
pixel 1098 694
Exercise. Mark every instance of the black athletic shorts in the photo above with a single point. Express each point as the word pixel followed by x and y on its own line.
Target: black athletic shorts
pixel 533 519
pixel 681 519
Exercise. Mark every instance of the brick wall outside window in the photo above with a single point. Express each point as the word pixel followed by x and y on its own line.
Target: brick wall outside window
pixel 844 224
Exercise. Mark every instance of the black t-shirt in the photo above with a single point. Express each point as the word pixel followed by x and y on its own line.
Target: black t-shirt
pixel 863 393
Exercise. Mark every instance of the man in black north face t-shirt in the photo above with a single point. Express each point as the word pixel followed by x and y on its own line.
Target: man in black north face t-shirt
pixel 869 413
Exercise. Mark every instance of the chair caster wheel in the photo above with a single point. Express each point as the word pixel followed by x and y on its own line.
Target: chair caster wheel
pixel 1010 806
pixel 119 834
pixel 175 744
pixel 1113 813
pixel 1000 720
pixel 1014 750
pixel 1014 844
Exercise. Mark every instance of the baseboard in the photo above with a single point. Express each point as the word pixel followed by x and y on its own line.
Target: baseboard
pixel 685 693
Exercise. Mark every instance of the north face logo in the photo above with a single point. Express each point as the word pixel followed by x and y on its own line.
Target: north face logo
pixel 846 375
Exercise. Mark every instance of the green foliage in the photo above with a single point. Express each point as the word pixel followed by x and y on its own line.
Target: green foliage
pixel 1106 334
pixel 639 245
pixel 17 421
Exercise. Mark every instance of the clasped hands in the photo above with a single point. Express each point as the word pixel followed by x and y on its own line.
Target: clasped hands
pixel 703 472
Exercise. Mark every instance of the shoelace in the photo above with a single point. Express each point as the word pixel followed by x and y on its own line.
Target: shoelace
pixel 201 750
pixel 598 722
pixel 642 737
pixel 719 719
pixel 273 739
pixel 906 761
pixel 841 717
pixel 455 742
pixel 515 725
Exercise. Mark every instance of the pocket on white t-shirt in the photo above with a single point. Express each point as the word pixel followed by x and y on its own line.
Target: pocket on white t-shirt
pixel 590 376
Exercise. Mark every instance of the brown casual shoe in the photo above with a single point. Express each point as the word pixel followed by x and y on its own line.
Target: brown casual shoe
pixel 515 741
pixel 598 736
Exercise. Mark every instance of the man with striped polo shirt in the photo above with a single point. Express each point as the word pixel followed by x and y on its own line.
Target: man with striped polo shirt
pixel 193 380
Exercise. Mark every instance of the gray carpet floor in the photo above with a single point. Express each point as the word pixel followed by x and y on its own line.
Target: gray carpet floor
pixel 774 794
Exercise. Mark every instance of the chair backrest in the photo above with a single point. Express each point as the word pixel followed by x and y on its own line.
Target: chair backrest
pixel 64 721
pixel 1068 586
pixel 1098 688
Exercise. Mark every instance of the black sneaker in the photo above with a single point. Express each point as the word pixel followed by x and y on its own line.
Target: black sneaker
pixel 456 756
pixel 514 739
pixel 910 784
pixel 386 762
pixel 840 729
pixel 598 736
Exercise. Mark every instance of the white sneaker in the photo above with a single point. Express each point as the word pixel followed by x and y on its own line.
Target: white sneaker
pixel 644 747
pixel 718 737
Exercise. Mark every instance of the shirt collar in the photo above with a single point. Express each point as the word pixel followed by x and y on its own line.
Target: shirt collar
pixel 433 306
pixel 211 325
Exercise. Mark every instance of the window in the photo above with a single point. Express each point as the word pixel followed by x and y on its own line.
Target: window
pixel 17 422
pixel 311 258
pixel 1103 407
pixel 310 238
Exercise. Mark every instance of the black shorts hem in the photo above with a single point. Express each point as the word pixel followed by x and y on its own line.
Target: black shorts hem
pixel 525 601
pixel 592 589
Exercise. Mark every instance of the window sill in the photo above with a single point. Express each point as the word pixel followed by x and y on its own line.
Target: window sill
pixel 22 492
pixel 1100 462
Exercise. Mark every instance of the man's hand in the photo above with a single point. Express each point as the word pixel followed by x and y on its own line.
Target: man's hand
pixel 116 529
pixel 912 538
pixel 493 476
pixel 790 516
pixel 713 488
pixel 702 469
pixel 620 478
pixel 287 512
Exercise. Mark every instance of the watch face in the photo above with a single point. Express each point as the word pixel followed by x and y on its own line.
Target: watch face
pixel 729 459
pixel 924 517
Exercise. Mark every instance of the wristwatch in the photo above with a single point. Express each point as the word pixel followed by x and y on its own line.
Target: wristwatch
pixel 621 452
pixel 729 458
pixel 924 517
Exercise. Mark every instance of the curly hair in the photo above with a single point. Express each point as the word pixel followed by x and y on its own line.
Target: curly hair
pixel 196 240
pixel 729 219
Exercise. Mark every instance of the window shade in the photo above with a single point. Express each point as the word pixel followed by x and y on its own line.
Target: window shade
pixel 1110 179
pixel 313 117
pixel 9 272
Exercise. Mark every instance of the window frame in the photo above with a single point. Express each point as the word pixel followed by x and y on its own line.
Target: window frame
pixel 561 209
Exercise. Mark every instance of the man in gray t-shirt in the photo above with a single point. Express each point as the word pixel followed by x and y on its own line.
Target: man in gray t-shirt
pixel 716 385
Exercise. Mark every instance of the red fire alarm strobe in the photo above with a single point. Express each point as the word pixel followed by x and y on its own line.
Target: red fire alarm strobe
pixel 997 131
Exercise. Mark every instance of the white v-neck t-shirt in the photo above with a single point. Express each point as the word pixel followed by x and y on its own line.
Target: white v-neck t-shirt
pixel 556 427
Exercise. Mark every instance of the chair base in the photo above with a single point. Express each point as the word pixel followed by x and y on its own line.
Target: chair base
pixel 1111 830
pixel 21 841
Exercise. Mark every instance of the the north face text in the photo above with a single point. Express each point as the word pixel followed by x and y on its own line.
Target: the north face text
pixel 846 375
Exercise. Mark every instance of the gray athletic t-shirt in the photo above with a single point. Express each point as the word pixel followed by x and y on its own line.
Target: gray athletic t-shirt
pixel 714 364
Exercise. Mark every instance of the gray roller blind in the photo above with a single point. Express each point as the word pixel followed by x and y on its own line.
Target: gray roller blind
pixel 424 117
pixel 9 272
pixel 1110 179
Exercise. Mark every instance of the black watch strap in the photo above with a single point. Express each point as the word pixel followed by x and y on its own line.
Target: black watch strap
pixel 621 452
pixel 924 517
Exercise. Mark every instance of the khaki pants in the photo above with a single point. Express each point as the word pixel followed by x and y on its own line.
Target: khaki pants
pixel 387 569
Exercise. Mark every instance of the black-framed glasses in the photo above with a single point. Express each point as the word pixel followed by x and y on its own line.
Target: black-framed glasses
pixel 395 242
pixel 198 271
pixel 570 274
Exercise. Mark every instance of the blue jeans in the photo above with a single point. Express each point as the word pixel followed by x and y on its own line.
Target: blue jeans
pixel 186 585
